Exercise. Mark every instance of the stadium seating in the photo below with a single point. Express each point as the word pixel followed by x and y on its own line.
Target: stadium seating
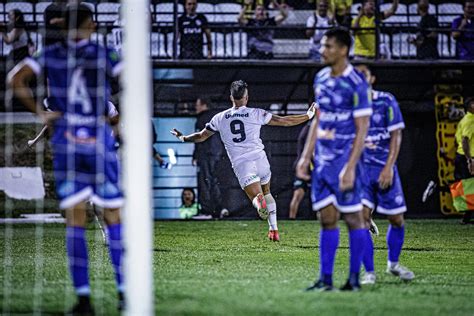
pixel 400 46
pixel 25 7
pixel 164 12
pixel 449 11
pixel 40 7
pixel 446 46
pixel 227 12
pixel 108 12
pixel 208 10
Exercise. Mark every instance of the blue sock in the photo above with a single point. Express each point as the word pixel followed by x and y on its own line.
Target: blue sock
pixel 328 243
pixel 368 258
pixel 357 241
pixel 78 260
pixel 395 238
pixel 116 252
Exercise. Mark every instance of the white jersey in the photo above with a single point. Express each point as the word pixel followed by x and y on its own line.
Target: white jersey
pixel 240 132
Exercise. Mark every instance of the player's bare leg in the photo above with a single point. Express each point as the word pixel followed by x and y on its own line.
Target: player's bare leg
pixel 328 243
pixel 255 194
pixel 395 239
pixel 298 196
pixel 76 219
pixel 112 219
pixel 369 276
pixel 273 234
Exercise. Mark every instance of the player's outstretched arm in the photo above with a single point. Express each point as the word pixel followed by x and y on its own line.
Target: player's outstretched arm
pixel 198 137
pixel 302 168
pixel 19 80
pixel 292 120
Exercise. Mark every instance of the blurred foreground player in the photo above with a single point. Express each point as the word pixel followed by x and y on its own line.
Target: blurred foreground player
pixel 383 188
pixel 85 159
pixel 337 138
pixel 239 128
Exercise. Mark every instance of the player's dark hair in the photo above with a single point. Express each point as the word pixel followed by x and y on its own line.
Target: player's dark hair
pixel 341 35
pixel 76 15
pixel 205 101
pixel 190 190
pixel 19 21
pixel 468 101
pixel 237 89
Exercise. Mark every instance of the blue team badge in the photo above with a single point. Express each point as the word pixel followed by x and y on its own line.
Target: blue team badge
pixel 198 22
pixel 377 118
pixel 399 199
pixel 66 188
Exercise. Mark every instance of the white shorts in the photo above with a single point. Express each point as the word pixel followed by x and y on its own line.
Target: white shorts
pixel 251 171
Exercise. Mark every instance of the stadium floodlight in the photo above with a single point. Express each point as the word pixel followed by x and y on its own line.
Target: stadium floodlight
pixel 136 113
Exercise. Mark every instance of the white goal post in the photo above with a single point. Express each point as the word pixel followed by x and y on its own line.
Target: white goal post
pixel 137 171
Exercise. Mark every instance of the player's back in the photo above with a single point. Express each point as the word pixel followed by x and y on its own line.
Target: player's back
pixel 79 86
pixel 340 100
pixel 239 129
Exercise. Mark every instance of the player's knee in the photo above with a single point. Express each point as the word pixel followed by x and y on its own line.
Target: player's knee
pixel 396 220
pixel 355 220
pixel 328 221
pixel 112 216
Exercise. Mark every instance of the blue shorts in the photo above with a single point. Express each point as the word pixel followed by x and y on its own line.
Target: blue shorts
pixel 325 188
pixel 390 201
pixel 84 176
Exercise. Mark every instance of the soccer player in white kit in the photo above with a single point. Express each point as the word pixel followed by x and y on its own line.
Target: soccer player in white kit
pixel 239 128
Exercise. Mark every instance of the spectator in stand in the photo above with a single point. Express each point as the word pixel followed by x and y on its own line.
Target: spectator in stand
pixel 340 10
pixel 317 25
pixel 54 22
pixel 426 41
pixel 463 32
pixel 18 37
pixel 207 156
pixel 189 207
pixel 260 38
pixel 192 27
pixel 250 6
pixel 464 161
pixel 365 39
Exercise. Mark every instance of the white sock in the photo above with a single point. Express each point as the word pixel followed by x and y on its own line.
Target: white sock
pixel 254 202
pixel 391 264
pixel 272 212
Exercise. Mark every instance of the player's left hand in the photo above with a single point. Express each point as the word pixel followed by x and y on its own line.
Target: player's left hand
pixel 346 179
pixel 385 178
pixel 311 111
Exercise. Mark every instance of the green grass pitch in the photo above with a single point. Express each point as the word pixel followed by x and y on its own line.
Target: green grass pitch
pixel 229 268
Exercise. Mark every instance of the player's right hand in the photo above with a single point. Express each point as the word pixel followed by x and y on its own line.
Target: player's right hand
pixel 346 179
pixel 302 169
pixel 176 133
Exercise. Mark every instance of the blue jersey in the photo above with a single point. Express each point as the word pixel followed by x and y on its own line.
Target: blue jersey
pixel 340 100
pixel 385 119
pixel 78 77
